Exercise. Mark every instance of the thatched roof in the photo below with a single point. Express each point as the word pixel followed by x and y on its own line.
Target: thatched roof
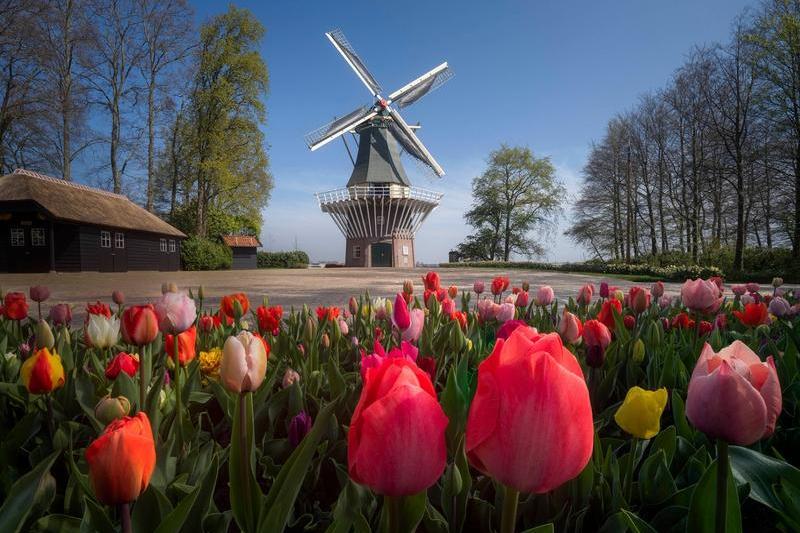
pixel 73 202
pixel 240 241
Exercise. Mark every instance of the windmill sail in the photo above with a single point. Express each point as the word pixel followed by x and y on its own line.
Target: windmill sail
pixel 351 57
pixel 423 85
pixel 337 127
pixel 411 143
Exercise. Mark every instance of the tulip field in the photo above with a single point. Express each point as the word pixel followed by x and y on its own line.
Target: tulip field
pixel 436 409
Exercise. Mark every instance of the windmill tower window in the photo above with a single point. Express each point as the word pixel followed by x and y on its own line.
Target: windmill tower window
pixel 356 252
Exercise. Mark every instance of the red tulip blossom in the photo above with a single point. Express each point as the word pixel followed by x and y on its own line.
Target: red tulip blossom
pixel 530 423
pixel 460 317
pixel 629 321
pixel 227 305
pixel 500 285
pixel 396 442
pixel 606 314
pixel 585 294
pixel 754 314
pixel 431 281
pixel 269 318
pixel 597 337
pixel 139 324
pixel 327 313
pixel 123 362
pixel 638 299
pixel 98 308
pixel 15 306
pixel 682 321
pixel 401 317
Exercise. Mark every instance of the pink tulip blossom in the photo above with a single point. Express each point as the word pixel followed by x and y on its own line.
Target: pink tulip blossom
pixel 545 295
pixel 506 312
pixel 701 295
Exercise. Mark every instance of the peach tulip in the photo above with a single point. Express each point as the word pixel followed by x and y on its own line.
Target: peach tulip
pixel 244 362
pixel 733 395
pixel 530 423
pixel 176 312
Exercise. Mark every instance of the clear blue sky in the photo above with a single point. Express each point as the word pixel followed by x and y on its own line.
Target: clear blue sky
pixel 548 75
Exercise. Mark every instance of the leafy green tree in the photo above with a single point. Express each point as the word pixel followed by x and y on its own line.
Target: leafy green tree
pixel 230 161
pixel 516 194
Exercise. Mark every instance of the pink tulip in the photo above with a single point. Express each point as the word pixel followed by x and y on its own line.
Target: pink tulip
pixel 733 395
pixel 570 328
pixel 604 290
pixel 585 294
pixel 665 301
pixel 448 306
pixel 176 312
pixel 701 295
pixel 244 362
pixel 739 290
pixel 400 315
pixel 505 312
pixel 478 287
pixel 414 330
pixel 753 287
pixel 545 295
pixel 657 289
pixel 530 423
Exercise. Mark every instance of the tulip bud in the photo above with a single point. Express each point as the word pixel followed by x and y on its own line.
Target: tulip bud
pixel 629 321
pixel 637 351
pixel 309 331
pixel 657 289
pixel 44 335
pixel 299 428
pixel 618 295
pixel 39 293
pixel 352 303
pixel 478 287
pixel 343 327
pixel 452 291
pixel 237 309
pixel 325 342
pixel 603 289
pixel 408 286
pixel 388 307
pixel 109 409
pixel 526 286
pixel 201 292
pixel 401 316
pixel 290 377
pixel 777 282
pixel 118 297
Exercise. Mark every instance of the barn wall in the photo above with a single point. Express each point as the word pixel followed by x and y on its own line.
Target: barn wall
pixel 245 258
pixel 67 247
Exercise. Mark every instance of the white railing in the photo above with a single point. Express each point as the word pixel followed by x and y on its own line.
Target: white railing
pixel 364 192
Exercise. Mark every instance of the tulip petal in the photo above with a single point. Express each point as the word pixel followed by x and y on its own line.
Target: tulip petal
pixel 725 391
pixel 771 393
pixel 739 350
pixel 233 366
pixel 402 448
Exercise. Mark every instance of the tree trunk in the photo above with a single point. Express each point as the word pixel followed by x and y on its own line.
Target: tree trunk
pixel 151 89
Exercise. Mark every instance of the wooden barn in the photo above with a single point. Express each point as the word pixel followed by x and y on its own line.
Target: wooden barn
pixel 48 224
pixel 245 251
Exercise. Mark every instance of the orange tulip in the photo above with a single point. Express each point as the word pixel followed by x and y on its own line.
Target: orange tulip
pixel 42 372
pixel 227 305
pixel 186 345
pixel 122 459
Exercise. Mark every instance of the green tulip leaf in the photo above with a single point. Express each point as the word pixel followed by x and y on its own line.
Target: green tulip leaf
pixel 762 473
pixel 58 523
pixel 149 509
pixel 544 528
pixel 95 518
pixel 190 512
pixel 283 493
pixel 702 511
pixel 17 505
pixel 245 493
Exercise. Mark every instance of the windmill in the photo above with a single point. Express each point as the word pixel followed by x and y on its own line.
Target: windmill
pixel 379 211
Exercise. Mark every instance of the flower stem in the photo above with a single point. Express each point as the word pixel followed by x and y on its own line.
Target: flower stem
pixel 178 401
pixel 629 471
pixel 125 517
pixel 722 486
pixel 392 504
pixel 142 379
pixel 508 519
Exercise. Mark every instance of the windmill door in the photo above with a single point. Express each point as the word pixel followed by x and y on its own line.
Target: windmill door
pixel 381 254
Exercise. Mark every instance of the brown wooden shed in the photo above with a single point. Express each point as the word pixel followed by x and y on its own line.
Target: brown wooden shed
pixel 245 251
pixel 49 224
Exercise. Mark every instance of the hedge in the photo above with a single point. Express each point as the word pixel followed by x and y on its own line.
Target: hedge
pixel 671 272
pixel 293 259
pixel 198 253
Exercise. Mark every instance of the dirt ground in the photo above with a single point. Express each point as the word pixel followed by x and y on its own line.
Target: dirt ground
pixel 289 288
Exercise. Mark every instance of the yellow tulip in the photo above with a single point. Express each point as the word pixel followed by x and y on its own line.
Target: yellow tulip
pixel 640 413
pixel 42 372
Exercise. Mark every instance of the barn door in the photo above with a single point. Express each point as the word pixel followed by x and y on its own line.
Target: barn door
pixel 381 254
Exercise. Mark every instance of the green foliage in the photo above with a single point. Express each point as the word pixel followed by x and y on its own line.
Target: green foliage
pixel 219 222
pixel 293 259
pixel 516 194
pixel 198 253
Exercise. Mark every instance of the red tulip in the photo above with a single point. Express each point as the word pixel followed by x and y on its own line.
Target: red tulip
pixel 629 321
pixel 206 323
pixel 15 306
pixel 606 314
pixel 122 459
pixel 186 345
pixel 597 337
pixel 123 362
pixel 523 298
pixel 118 297
pixel 269 318
pixel 460 317
pixel 452 291
pixel 431 281
pixel 530 423
pixel 657 289
pixel 39 293
pixel 509 327
pixel 228 304
pixel 327 313
pixel 500 285
pixel 400 314
pixel 754 314
pixel 98 308
pixel 396 442
pixel 139 324
pixel 638 299
pixel 733 395
pixel 682 321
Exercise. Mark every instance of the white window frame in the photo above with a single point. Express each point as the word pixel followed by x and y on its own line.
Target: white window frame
pixel 172 246
pixel 105 239
pixel 356 251
pixel 163 245
pixel 17 237
pixel 119 240
pixel 38 237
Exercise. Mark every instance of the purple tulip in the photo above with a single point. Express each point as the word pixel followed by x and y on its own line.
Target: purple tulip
pixel 299 428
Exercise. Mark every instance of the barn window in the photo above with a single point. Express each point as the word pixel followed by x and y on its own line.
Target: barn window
pixel 105 239
pixel 357 251
pixel 163 243
pixel 37 237
pixel 119 240
pixel 171 246
pixel 17 237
